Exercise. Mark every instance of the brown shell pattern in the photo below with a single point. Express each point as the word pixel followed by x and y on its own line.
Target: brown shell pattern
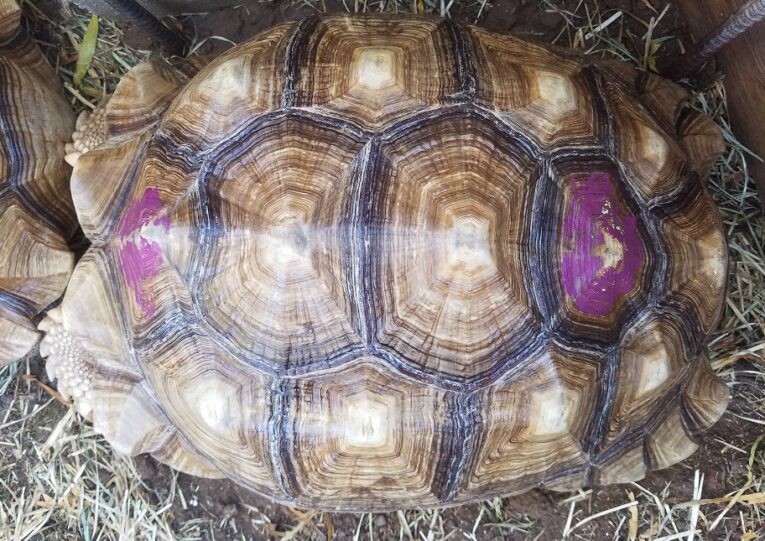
pixel 371 263
pixel 36 212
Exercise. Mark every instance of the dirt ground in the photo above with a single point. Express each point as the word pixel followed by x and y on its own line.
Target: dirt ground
pixel 212 509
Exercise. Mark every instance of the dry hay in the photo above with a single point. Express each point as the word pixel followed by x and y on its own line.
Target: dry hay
pixel 59 480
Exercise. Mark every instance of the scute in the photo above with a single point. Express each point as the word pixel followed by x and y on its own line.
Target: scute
pixel 364 430
pixel 95 205
pixel 535 423
pixel 373 263
pixel 596 256
pixel 652 363
pixel 653 162
pixel 625 465
pixel 280 198
pixel 546 96
pixel 235 87
pixel 704 399
pixel 447 226
pixel 35 260
pixel 142 97
pixel 224 409
pixel 669 443
pixel 390 68
pixel 698 255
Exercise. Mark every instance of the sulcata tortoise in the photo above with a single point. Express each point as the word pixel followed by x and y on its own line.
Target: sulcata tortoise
pixel 372 263
pixel 36 212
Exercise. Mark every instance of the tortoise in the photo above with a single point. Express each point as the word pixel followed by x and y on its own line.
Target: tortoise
pixel 367 263
pixel 36 212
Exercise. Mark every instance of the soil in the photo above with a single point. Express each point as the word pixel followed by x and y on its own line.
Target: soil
pixel 232 512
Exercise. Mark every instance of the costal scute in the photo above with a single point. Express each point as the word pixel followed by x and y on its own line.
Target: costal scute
pixel 370 263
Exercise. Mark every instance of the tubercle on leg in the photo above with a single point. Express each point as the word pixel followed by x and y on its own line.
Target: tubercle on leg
pixel 90 131
pixel 67 362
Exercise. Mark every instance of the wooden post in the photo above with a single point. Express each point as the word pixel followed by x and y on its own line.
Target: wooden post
pixel 744 64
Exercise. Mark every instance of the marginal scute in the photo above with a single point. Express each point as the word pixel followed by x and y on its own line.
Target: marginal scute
pixel 446 220
pixel 669 443
pixel 142 96
pixel 179 456
pixel 653 161
pixel 625 466
pixel 98 180
pixel 10 19
pixel 663 99
pixel 705 398
pixel 622 72
pixel 702 140
pixel 568 482
pixel 364 430
pixel 534 424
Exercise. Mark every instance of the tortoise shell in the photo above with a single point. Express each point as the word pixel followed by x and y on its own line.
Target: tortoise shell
pixel 36 212
pixel 370 263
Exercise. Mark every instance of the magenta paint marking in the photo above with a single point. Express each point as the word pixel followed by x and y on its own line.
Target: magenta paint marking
pixel 602 251
pixel 141 259
pixel 142 211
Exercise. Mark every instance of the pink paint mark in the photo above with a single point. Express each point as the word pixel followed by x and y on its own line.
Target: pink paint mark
pixel 603 251
pixel 141 212
pixel 141 259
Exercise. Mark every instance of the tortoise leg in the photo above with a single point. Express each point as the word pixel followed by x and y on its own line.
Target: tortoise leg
pixel 116 402
pixel 95 368
pixel 141 97
pixel 89 132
